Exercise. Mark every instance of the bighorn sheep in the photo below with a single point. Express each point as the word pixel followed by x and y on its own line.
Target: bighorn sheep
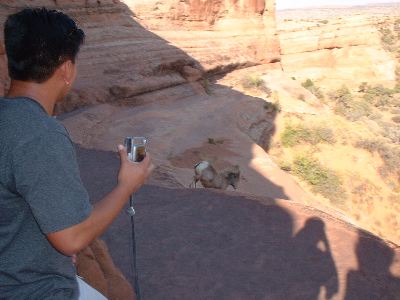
pixel 210 178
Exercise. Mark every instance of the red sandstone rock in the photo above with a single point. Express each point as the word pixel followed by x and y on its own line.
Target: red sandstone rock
pixel 95 265
pixel 135 47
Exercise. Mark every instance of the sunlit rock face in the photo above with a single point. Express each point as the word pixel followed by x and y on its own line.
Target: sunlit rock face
pixel 135 48
pixel 340 50
pixel 215 32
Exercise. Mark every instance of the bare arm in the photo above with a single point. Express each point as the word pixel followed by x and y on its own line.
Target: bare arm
pixel 130 178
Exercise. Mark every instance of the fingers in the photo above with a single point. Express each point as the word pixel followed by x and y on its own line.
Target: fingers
pixel 123 154
pixel 147 162
pixel 151 169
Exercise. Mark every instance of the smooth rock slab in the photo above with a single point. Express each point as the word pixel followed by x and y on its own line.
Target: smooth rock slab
pixel 205 244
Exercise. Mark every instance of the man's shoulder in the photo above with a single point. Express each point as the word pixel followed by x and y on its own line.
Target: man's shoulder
pixel 23 118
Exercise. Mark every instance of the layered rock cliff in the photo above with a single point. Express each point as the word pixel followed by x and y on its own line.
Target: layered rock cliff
pixel 138 47
pixel 215 32
pixel 336 49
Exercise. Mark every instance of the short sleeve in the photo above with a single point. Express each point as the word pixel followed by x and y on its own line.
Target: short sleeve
pixel 47 176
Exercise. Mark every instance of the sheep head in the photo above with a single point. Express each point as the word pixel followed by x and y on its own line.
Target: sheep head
pixel 232 175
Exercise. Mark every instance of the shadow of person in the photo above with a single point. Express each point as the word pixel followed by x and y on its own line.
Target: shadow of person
pixel 314 259
pixel 373 279
pixel 207 244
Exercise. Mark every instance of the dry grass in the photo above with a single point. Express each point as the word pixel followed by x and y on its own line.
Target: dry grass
pixel 310 85
pixel 297 134
pixel 322 180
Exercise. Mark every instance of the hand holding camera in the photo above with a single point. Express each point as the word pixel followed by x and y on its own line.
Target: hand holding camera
pixel 136 166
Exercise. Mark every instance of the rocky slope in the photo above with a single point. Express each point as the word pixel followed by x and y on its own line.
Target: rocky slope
pixel 223 128
pixel 137 47
pixel 204 244
pixel 150 58
pixel 334 49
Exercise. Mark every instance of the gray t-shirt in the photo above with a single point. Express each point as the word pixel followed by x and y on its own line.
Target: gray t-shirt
pixel 40 192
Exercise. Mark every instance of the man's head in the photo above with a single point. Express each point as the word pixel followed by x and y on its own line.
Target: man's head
pixel 42 44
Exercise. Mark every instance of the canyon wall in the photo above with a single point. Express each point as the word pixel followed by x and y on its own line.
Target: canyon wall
pixel 215 32
pixel 338 50
pixel 134 49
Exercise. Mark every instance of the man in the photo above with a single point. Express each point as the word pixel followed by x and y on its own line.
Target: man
pixel 45 215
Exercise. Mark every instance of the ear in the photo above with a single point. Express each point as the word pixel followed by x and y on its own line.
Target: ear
pixel 67 72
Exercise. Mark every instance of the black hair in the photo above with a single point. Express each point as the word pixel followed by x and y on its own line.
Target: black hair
pixel 38 41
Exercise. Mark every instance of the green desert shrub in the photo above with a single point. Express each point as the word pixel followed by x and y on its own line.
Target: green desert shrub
pixel 296 134
pixel 382 97
pixel 273 106
pixel 322 180
pixel 396 89
pixel 309 85
pixel 254 81
pixel 341 95
pixel 388 39
pixel 390 130
pixel 378 95
pixel 347 106
pixel 390 154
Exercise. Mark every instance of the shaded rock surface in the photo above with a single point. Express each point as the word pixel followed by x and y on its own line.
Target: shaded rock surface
pixel 204 244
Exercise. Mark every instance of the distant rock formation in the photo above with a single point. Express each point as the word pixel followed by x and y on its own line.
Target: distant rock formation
pixel 217 33
pixel 347 50
pixel 136 47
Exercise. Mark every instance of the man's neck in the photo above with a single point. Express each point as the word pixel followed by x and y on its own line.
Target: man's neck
pixel 41 93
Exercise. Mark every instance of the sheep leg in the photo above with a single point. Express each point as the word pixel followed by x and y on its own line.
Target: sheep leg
pixel 195 179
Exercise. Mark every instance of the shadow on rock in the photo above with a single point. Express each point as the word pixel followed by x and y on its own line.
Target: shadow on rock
pixel 373 279
pixel 209 245
pixel 205 244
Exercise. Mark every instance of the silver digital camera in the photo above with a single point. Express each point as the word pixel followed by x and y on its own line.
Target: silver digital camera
pixel 136 148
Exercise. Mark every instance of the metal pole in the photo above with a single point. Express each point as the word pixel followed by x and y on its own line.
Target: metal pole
pixel 131 212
